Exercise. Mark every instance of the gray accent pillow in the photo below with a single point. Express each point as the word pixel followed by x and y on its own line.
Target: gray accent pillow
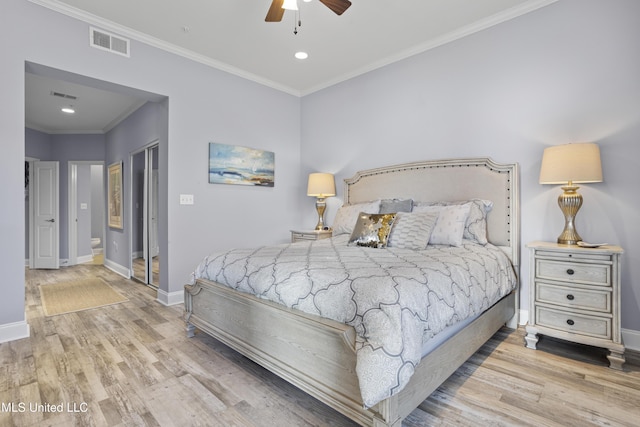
pixel 396 205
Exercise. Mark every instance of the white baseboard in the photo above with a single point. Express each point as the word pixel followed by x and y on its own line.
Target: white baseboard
pixel 523 319
pixel 170 298
pixel 631 339
pixel 63 262
pixel 85 259
pixel 14 331
pixel 117 268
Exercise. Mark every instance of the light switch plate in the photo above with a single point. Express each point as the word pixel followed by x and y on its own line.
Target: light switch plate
pixel 186 199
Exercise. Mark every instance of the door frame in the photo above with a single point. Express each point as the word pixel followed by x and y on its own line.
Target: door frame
pixel 29 196
pixel 147 150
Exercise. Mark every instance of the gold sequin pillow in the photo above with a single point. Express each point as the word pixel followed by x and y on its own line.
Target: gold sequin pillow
pixel 372 230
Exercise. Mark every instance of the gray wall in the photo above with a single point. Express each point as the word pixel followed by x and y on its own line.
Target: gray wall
pixel 201 105
pixel 565 73
pixel 148 124
pixel 568 72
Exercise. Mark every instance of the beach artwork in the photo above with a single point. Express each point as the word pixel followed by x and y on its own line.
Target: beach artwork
pixel 231 164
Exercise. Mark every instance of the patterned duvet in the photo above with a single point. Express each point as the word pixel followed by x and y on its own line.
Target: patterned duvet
pixel 396 299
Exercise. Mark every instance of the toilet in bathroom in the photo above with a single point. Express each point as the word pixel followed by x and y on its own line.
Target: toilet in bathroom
pixel 96 245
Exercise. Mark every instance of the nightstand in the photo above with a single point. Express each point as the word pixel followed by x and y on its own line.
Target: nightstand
pixel 575 296
pixel 297 236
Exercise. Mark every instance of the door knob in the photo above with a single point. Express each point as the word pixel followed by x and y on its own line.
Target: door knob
pixel 50 220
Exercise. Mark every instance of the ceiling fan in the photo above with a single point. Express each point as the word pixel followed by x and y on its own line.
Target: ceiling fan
pixel 276 11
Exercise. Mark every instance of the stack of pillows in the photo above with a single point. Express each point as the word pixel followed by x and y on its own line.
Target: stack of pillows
pixel 401 223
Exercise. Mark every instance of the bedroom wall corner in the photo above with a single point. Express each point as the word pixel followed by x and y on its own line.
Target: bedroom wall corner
pixel 567 72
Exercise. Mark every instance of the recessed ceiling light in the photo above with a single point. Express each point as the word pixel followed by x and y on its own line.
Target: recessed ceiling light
pixel 301 55
pixel 68 110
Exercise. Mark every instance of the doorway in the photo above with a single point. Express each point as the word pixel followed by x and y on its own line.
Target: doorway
pixel 86 212
pixel 145 252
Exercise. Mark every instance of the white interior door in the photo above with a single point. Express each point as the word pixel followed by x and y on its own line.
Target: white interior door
pixel 45 205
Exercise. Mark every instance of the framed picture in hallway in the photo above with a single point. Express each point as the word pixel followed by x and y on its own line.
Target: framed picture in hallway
pixel 114 192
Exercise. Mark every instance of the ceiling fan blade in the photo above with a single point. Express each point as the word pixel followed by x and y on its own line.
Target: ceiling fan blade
pixel 275 12
pixel 338 6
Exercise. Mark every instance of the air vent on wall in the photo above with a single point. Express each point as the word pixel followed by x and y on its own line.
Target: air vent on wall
pixel 63 95
pixel 106 41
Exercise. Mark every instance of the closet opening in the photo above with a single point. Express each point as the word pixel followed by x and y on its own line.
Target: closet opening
pixel 145 250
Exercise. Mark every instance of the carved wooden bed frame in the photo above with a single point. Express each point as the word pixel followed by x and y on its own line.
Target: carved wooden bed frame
pixel 318 355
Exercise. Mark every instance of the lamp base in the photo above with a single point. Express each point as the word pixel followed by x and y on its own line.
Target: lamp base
pixel 321 205
pixel 570 202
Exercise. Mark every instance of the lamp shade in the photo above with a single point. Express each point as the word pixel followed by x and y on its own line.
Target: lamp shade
pixel 321 185
pixel 577 163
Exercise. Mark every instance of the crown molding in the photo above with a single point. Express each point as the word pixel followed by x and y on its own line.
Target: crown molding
pixel 475 27
pixel 138 36
pixel 141 37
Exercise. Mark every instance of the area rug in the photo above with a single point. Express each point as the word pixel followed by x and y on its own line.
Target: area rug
pixel 77 295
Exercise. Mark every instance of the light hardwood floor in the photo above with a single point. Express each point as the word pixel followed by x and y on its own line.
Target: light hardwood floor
pixel 131 364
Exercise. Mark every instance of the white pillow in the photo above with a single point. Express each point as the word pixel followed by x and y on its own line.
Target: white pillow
pixel 347 216
pixel 412 230
pixel 449 227
pixel 475 228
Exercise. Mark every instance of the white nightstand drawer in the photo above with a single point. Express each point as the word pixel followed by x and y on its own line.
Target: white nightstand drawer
pixel 599 327
pixel 303 236
pixel 573 297
pixel 592 274
pixel 587 255
pixel 297 236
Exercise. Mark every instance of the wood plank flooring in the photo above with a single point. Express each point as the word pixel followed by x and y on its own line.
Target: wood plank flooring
pixel 131 364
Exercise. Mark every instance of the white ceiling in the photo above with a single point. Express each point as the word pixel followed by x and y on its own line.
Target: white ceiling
pixel 97 110
pixel 232 35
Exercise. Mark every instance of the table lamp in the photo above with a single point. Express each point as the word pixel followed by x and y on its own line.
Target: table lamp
pixel 321 185
pixel 570 164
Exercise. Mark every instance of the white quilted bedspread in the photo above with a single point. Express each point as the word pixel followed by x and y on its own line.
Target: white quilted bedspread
pixel 394 298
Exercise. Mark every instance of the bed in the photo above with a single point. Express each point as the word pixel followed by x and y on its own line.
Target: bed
pixel 319 354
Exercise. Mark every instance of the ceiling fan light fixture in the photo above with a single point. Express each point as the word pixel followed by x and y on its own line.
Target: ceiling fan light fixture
pixel 290 4
pixel 301 55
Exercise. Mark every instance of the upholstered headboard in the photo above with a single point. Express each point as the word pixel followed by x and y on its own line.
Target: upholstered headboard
pixel 450 180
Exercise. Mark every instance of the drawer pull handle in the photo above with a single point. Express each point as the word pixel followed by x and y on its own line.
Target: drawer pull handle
pixel 570 322
pixel 570 271
pixel 570 297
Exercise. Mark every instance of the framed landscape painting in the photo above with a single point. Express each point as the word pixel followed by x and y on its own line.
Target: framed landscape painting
pixel 114 193
pixel 231 164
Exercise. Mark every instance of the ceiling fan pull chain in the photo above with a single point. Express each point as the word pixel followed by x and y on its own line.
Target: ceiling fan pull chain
pixel 298 23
